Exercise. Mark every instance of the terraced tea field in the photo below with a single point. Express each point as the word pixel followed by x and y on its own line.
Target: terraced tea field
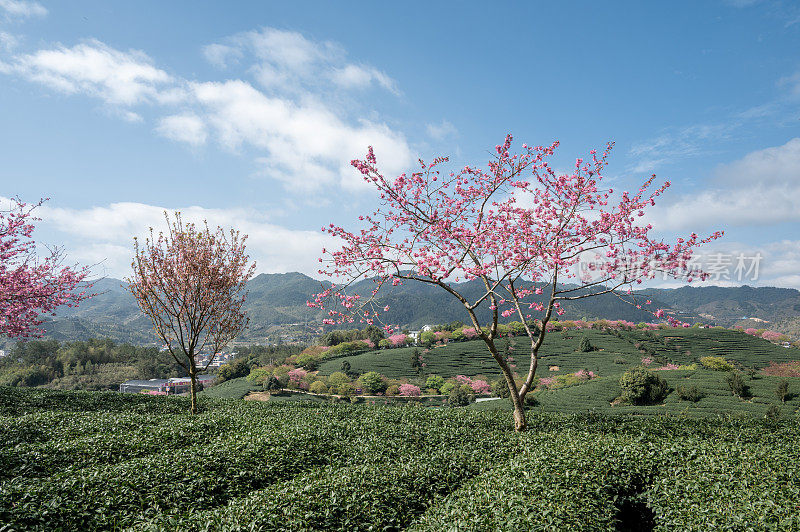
pixel 105 461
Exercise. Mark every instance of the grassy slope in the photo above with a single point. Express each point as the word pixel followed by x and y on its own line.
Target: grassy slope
pixel 681 346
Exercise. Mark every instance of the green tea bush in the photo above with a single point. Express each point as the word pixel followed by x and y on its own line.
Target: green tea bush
pixel 133 463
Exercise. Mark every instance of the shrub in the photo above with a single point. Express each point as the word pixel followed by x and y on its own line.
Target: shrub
pixel 737 385
pixel 716 363
pixel 619 360
pixel 689 393
pixel 434 381
pixel 372 382
pixel 461 396
pixel 318 387
pixel 642 387
pixel 530 400
pixel 393 390
pixel 500 389
pixel 409 390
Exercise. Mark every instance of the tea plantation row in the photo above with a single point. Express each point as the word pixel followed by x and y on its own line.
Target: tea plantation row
pixel 98 461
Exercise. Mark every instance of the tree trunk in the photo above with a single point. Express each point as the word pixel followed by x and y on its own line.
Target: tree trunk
pixel 520 423
pixel 193 377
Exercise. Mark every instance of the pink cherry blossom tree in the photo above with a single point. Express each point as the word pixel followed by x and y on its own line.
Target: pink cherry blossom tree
pixel 191 283
pixel 31 285
pixel 518 227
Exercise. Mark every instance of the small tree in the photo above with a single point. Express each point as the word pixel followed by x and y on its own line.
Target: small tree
pixel 737 385
pixel 416 363
pixel 585 346
pixel 439 228
pixel 640 386
pixel 782 390
pixel 372 382
pixel 30 285
pixel 191 282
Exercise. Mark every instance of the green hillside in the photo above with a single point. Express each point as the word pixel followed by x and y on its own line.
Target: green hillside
pixel 615 353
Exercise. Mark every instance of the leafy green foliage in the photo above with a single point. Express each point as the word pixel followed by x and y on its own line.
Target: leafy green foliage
pixel 782 390
pixel 372 382
pixel 585 345
pixel 461 396
pixel 716 363
pixel 689 393
pixel 737 385
pixel 642 387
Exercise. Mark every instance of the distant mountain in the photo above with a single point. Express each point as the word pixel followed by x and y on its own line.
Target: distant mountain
pixel 727 306
pixel 279 300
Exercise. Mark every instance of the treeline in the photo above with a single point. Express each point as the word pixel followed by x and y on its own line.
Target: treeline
pixel 95 364
pixel 102 364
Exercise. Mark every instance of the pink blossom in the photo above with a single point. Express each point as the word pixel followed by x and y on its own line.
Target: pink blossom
pixel 469 332
pixel 297 375
pixel 409 390
pixel 398 339
pixel 480 387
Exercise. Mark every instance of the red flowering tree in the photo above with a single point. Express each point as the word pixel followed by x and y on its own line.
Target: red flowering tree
pixel 31 285
pixel 191 283
pixel 440 228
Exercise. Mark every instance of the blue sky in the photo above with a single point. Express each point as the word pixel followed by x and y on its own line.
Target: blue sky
pixel 247 114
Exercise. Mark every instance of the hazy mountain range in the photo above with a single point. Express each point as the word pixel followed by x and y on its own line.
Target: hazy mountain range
pixel 279 300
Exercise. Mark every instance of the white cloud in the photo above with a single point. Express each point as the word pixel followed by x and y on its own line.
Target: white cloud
pixel 287 61
pixel 308 145
pixel 759 189
pixel 104 235
pixel 96 69
pixel 300 136
pixel 354 76
pixel 7 41
pixel 221 55
pixel 22 9
pixel 187 127
pixel 441 131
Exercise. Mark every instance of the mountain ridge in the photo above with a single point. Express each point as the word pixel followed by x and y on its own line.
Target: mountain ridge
pixel 278 302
